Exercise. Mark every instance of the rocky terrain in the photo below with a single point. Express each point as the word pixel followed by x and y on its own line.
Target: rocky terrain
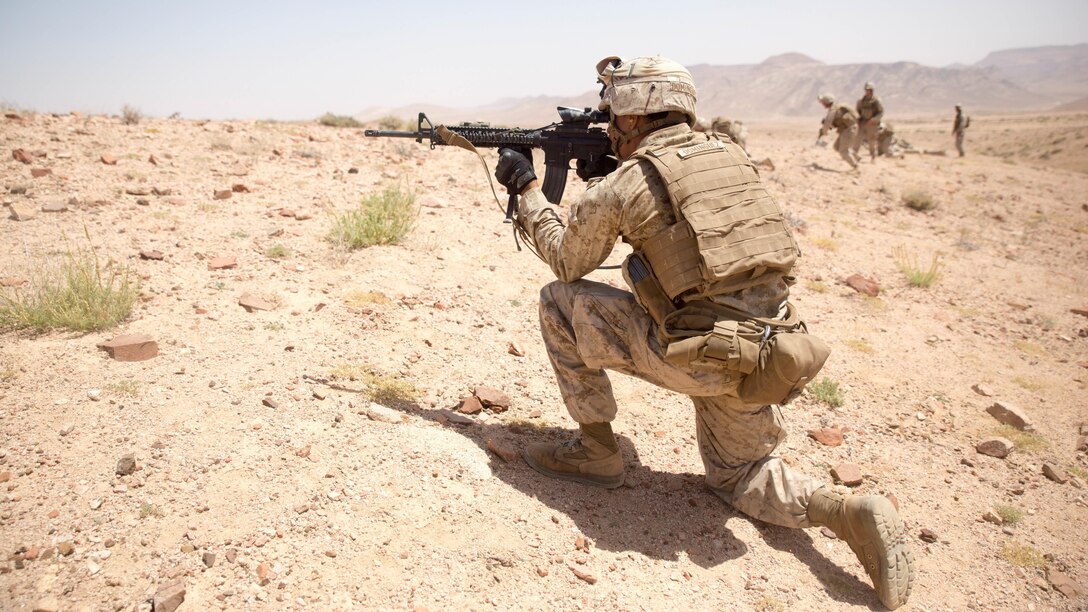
pixel 315 428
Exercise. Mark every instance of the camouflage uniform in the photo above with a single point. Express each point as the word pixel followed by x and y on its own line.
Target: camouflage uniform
pixel 887 143
pixel 845 121
pixel 735 130
pixel 959 127
pixel 590 327
pixel 870 114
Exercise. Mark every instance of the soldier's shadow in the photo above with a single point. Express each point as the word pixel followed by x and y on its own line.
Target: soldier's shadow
pixel 658 514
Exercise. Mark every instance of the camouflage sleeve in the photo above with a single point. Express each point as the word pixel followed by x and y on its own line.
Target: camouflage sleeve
pixel 878 110
pixel 575 249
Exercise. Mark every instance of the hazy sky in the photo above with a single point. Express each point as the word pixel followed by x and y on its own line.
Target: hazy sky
pixel 294 60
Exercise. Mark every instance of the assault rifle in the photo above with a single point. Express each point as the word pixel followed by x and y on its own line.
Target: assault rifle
pixel 572 137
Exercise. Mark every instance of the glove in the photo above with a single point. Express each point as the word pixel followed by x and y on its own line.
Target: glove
pixel 515 169
pixel 603 166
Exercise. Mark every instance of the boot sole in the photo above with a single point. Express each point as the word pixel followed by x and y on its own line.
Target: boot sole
pixel 883 550
pixel 604 482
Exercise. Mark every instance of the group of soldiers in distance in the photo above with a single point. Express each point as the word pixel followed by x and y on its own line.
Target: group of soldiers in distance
pixel 862 124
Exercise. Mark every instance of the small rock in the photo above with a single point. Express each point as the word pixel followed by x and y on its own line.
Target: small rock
pixel 264 572
pixel 251 303
pixel 126 465
pixel 208 558
pixel 1053 474
pixel 271 403
pixel 319 394
pixel 21 212
pixel 503 450
pixel 22 156
pixel 152 255
pixel 492 398
pixel 927 535
pixel 515 349
pixel 995 447
pixel 67 429
pixel 1009 414
pixel 847 473
pixel 12 281
pixel 455 417
pixel 154 161
pixel 587 577
pixel 1064 584
pixel 377 412
pixel 56 206
pixel 168 597
pixel 138 191
pixel 992 517
pixel 40 172
pixel 982 390
pixel 222 263
pixel 828 436
pixel 470 405
pixel 108 159
pixel 864 285
pixel 131 347
pixel 239 188
pixel 1082 444
pixel 223 194
pixel 66 548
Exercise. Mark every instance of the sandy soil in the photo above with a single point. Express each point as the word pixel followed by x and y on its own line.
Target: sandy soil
pixel 309 503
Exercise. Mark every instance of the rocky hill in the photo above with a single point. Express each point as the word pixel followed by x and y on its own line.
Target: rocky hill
pixel 786 85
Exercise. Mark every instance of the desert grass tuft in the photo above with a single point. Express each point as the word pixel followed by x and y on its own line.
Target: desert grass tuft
pixel 382 218
pixel 81 294
pixel 386 390
pixel 1024 440
pixel 130 115
pixel 1022 555
pixel 339 121
pixel 277 251
pixel 919 199
pixel 826 391
pixel 916 275
pixel 1010 514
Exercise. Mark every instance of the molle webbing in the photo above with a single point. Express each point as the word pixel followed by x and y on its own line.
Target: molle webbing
pixel 728 227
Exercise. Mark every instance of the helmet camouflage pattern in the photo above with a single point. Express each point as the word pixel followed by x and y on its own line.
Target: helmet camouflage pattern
pixel 869 85
pixel 826 98
pixel 646 85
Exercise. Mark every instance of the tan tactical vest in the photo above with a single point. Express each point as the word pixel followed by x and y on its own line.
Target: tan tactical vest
pixel 867 109
pixel 729 230
pixel 845 117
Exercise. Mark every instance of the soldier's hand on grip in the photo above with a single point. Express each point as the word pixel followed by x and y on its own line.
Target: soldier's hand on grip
pixel 515 169
pixel 591 169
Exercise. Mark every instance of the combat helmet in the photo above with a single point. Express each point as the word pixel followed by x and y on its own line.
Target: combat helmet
pixel 826 98
pixel 645 86
pixel 869 85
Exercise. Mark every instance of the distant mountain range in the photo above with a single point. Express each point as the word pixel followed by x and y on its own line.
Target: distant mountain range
pixel 1032 79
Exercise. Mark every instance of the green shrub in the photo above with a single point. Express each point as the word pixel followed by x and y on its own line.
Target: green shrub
pixel 384 218
pixel 1010 514
pixel 81 294
pixel 826 391
pixel 277 251
pixel 916 275
pixel 340 121
pixel 919 200
pixel 1022 555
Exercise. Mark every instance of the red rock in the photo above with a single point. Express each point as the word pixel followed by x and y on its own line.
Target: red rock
pixel 1012 415
pixel 493 398
pixel 239 188
pixel 1064 584
pixel 1053 474
pixel 847 473
pixel 1080 311
pixel 21 155
pixel 12 281
pixel 168 597
pixel 53 514
pixel 223 194
pixel 927 535
pixel 222 263
pixel 303 452
pixel 264 571
pixel 302 216
pixel 154 255
pixel 131 347
pixel 108 159
pixel 504 452
pixel 864 285
pixel 286 212
pixel 470 405
pixel 5 476
pixel 590 578
pixel 154 161
pixel 828 436
pixel 40 172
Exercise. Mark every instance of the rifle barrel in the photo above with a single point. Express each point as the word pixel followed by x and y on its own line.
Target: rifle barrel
pixel 394 134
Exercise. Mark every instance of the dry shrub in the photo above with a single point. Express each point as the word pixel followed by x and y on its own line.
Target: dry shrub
pixel 919 200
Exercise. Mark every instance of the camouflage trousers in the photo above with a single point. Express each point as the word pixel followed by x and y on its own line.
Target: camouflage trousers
pixel 590 327
pixel 868 133
pixel 959 142
pixel 844 144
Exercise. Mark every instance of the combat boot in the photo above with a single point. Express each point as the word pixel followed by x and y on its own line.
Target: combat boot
pixel 872 528
pixel 594 459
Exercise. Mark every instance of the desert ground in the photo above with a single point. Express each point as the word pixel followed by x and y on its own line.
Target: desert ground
pixel 314 456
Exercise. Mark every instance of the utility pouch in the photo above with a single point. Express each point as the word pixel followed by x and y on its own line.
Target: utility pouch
pixel 647 289
pixel 774 358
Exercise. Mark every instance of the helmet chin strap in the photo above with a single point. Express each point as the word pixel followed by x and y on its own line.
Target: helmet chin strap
pixel 624 137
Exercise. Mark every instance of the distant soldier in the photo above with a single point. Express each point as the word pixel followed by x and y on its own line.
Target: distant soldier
pixel 870 113
pixel 735 130
pixel 845 121
pixel 886 142
pixel 959 127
